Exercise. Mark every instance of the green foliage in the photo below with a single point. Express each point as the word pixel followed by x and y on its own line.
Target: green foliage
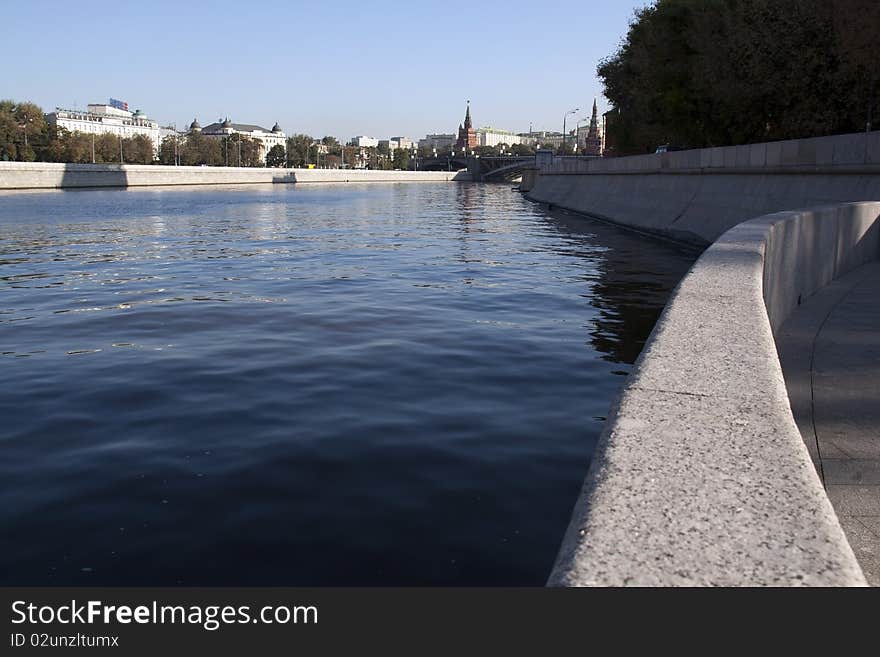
pixel 720 72
pixel 240 151
pixel 138 150
pixel 522 149
pixel 277 156
pixel 199 149
pixel 167 150
pixel 351 155
pixel 331 143
pixel 24 134
pixel 402 159
pixel 298 150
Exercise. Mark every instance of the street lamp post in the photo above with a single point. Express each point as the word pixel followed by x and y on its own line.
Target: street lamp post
pixel 24 125
pixel 577 127
pixel 176 149
pixel 565 116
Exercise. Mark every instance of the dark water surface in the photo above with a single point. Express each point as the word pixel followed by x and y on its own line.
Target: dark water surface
pixel 385 384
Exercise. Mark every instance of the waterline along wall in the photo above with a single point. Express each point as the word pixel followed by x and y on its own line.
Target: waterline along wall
pixel 701 476
pixel 696 195
pixel 50 175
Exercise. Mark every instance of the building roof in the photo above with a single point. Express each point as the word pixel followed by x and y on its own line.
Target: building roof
pixel 238 127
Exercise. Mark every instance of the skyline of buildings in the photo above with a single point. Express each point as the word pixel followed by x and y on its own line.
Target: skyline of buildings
pixel 115 118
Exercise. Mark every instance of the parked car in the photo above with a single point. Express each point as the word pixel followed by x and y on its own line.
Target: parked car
pixel 668 148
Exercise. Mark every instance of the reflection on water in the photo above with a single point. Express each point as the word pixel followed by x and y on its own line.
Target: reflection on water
pixel 386 384
pixel 634 278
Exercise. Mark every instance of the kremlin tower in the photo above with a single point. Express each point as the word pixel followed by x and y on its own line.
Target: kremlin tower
pixel 593 142
pixel 467 138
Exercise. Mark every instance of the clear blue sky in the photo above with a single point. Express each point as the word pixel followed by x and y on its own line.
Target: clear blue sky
pixel 375 67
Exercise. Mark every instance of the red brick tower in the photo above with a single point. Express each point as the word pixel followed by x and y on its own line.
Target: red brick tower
pixel 467 138
pixel 593 142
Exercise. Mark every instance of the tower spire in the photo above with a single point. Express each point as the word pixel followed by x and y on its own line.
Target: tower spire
pixel 467 138
pixel 593 141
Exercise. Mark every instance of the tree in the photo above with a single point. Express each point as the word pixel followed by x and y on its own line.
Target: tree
pixel 241 151
pixel 23 131
pixel 402 158
pixel 138 150
pixel 107 148
pixel 276 157
pixel 722 72
pixel 8 131
pixel 167 150
pixel 522 149
pixel 298 150
pixel 352 156
pixel 855 27
pixel 199 149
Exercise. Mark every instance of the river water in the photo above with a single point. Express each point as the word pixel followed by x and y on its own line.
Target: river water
pixel 306 385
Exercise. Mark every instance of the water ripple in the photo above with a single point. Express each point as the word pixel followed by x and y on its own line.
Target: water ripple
pixel 387 384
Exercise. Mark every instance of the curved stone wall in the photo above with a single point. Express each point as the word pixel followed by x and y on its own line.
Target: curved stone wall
pixel 697 195
pixel 701 476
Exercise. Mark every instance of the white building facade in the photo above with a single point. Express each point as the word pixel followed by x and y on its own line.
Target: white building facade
pixel 265 138
pixel 489 136
pixel 403 142
pixel 111 119
pixel 438 141
pixel 362 141
pixel 542 138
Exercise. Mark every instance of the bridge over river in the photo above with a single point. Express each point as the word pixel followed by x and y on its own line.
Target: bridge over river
pixel 500 168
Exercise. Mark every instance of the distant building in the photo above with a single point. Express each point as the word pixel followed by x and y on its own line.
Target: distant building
pixel 593 140
pixel 467 138
pixel 265 138
pixel 168 131
pixel 438 141
pixel 362 141
pixel 113 118
pixel 396 142
pixel 489 136
pixel 542 138
pixel 403 142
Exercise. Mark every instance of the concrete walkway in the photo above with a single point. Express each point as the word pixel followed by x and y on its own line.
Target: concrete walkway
pixel 830 354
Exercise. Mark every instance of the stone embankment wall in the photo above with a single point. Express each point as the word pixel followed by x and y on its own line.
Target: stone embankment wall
pixel 697 195
pixel 701 476
pixel 47 175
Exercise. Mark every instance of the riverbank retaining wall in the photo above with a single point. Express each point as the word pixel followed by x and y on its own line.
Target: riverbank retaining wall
pixel 50 175
pixel 701 476
pixel 697 195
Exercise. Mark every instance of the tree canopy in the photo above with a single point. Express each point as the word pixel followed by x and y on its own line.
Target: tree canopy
pixel 720 72
pixel 276 157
